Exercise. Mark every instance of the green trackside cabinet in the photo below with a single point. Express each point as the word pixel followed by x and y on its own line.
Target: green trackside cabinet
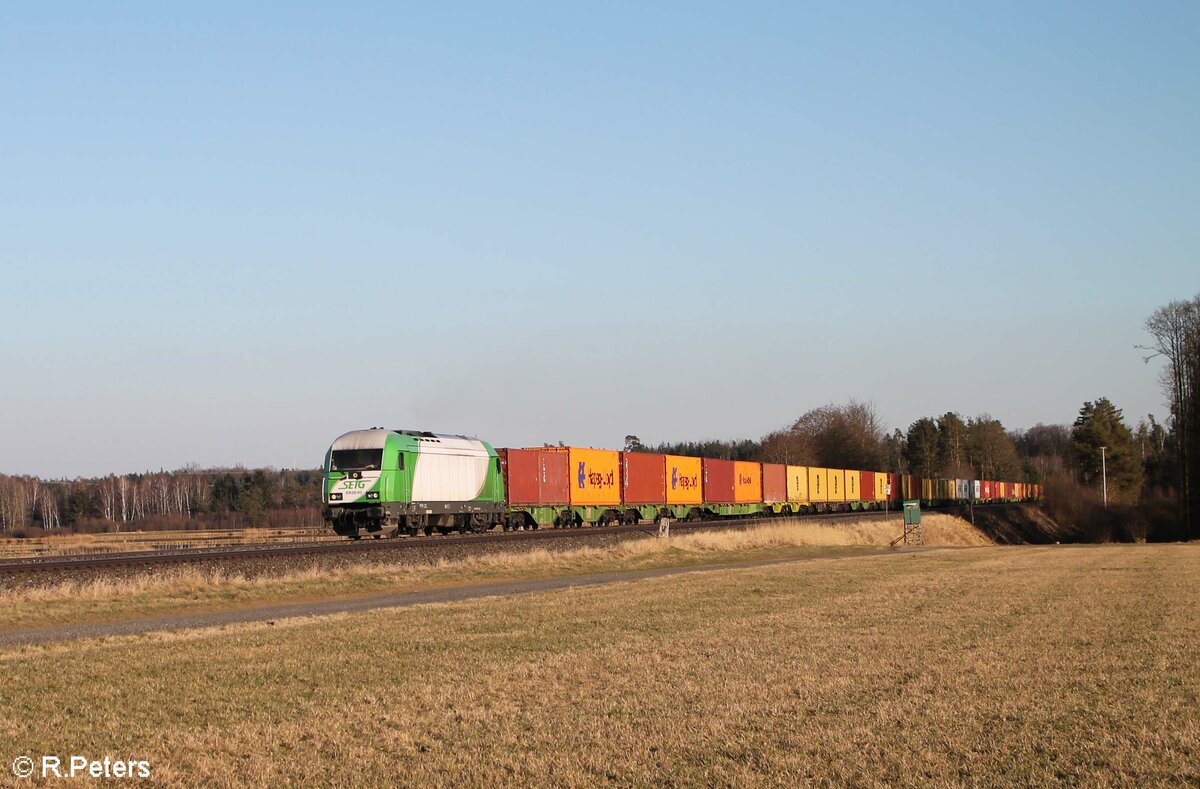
pixel 384 482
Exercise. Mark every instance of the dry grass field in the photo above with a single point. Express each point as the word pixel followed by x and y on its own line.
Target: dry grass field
pixel 1013 665
pixel 112 542
pixel 177 590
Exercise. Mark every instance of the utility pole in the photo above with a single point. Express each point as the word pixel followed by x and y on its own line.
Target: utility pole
pixel 1104 475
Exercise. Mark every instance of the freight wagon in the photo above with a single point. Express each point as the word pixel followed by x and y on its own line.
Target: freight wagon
pixel 388 482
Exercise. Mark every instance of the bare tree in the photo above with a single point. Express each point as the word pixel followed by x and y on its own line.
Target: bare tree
pixel 1176 332
pixel 991 450
pixel 848 436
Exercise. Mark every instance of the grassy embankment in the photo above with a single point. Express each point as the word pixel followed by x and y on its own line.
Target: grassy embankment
pixel 1016 665
pixel 190 589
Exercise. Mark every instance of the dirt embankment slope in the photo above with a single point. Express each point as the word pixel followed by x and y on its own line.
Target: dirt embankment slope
pixel 1019 524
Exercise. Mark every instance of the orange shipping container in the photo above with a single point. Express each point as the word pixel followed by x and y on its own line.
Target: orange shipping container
pixel 797 483
pixel 852 486
pixel 747 482
pixel 594 476
pixel 683 480
pixel 881 481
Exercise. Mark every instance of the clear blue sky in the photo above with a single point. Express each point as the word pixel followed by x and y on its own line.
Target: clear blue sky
pixel 230 232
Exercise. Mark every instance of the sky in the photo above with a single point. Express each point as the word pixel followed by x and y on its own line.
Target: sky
pixel 230 232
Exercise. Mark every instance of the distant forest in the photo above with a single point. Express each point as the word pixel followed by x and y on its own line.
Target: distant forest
pixel 190 498
pixel 953 447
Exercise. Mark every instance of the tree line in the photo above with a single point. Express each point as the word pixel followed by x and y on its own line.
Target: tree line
pixel 949 446
pixel 165 499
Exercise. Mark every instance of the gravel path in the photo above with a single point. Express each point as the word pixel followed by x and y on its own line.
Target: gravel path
pixel 269 613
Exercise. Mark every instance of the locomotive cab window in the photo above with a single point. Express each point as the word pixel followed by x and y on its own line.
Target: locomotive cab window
pixel 356 460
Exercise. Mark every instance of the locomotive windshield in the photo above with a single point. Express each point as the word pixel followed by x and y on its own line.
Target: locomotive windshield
pixel 356 460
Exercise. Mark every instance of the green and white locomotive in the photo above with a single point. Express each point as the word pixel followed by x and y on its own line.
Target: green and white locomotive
pixel 387 482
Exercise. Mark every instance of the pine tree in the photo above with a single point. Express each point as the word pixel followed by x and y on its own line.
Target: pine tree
pixel 921 448
pixel 1101 424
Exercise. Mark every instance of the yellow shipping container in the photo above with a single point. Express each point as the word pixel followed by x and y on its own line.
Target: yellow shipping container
pixel 818 484
pixel 926 489
pixel 852 485
pixel 837 484
pixel 797 484
pixel 683 480
pixel 747 481
pixel 594 476
pixel 880 485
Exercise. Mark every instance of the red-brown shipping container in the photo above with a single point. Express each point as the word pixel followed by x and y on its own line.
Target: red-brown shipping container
pixel 897 493
pixel 643 478
pixel 866 486
pixel 774 482
pixel 535 477
pixel 719 481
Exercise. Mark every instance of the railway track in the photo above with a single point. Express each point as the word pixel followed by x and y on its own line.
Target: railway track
pixel 42 564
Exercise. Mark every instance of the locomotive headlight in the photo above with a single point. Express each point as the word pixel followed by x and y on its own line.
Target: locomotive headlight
pixel 374 494
pixel 335 497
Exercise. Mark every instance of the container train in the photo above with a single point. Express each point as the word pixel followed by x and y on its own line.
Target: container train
pixel 381 482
